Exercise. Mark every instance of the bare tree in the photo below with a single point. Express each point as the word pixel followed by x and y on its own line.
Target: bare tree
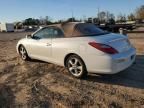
pixel 102 16
pixel 45 21
pixel 131 17
pixel 140 13
pixel 111 16
pixel 121 18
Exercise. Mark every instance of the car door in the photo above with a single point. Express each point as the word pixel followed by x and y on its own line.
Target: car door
pixel 58 45
pixel 41 44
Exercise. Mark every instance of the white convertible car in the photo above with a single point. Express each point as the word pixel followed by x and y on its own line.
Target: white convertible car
pixel 80 47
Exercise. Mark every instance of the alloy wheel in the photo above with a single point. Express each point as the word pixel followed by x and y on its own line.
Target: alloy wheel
pixel 75 66
pixel 23 53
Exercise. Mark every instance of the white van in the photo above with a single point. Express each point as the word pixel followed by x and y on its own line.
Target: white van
pixel 7 27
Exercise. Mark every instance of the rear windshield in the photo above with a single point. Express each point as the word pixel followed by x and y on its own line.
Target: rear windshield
pixel 90 30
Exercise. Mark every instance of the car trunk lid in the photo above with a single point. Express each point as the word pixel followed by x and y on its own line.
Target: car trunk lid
pixel 117 41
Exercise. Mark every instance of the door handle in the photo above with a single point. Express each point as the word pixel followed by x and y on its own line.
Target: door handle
pixel 48 44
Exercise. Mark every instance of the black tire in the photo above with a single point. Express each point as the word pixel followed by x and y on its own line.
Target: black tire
pixel 76 66
pixel 23 53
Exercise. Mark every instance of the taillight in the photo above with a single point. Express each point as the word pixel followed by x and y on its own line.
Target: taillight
pixel 104 48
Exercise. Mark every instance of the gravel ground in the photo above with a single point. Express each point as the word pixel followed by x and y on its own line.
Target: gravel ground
pixel 41 85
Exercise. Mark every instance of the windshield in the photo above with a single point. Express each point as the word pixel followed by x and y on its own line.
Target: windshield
pixel 90 29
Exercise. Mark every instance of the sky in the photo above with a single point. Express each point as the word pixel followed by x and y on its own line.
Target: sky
pixel 18 10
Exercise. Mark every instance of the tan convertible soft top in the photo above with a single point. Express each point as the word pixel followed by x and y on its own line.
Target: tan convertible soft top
pixel 69 29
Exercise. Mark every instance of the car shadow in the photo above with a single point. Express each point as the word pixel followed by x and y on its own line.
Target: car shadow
pixel 131 77
pixel 37 61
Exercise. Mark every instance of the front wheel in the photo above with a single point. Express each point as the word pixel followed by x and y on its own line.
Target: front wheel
pixel 76 66
pixel 23 53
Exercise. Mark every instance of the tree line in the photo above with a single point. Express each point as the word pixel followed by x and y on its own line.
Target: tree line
pixel 102 17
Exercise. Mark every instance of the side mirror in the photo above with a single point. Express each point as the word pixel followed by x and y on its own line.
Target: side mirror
pixel 29 36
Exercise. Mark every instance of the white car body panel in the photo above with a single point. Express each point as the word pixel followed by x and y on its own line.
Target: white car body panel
pixel 56 49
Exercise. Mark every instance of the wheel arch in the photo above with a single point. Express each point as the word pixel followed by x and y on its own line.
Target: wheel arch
pixel 20 46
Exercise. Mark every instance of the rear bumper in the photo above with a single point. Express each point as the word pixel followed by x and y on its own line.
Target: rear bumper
pixel 107 64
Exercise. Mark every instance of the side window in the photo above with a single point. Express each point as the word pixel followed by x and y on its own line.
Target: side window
pixel 44 33
pixel 57 33
pixel 49 33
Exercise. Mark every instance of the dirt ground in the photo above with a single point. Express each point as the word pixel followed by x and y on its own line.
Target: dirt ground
pixel 41 85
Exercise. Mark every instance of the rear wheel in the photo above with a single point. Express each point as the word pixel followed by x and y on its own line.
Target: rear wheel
pixel 76 66
pixel 23 53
